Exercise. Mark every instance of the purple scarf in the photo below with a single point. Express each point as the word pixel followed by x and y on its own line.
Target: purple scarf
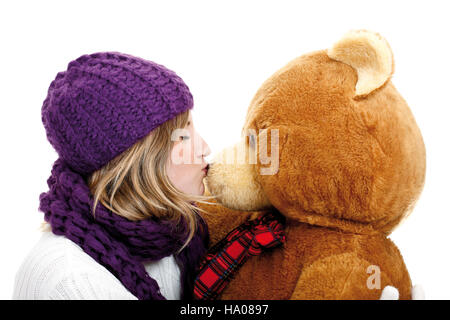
pixel 115 242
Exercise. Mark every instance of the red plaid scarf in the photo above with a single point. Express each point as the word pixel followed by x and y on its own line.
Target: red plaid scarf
pixel 227 256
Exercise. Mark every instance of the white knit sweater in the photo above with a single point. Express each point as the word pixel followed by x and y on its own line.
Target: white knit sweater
pixel 57 268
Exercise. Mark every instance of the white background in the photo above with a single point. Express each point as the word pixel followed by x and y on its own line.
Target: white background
pixel 223 51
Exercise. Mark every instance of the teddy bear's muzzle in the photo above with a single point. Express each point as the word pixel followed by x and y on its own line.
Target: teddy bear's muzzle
pixel 233 182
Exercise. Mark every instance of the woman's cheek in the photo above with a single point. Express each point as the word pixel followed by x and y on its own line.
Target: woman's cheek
pixel 192 152
pixel 178 153
pixel 186 153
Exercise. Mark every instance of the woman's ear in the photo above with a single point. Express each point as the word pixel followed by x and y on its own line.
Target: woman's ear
pixel 369 54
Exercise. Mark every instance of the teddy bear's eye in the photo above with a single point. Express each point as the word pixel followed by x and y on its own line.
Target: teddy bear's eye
pixel 252 140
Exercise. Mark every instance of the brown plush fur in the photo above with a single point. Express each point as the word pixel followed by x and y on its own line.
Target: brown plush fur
pixel 351 167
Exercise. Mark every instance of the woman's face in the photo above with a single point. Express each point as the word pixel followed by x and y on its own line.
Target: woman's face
pixel 186 166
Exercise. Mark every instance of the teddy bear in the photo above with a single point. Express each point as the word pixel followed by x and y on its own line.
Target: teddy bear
pixel 330 145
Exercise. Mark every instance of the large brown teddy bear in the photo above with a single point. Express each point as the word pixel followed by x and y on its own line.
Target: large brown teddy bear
pixel 349 165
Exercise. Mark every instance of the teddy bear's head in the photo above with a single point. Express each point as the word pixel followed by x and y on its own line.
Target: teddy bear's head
pixel 328 140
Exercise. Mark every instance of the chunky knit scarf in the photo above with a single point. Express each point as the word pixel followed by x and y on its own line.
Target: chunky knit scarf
pixel 115 242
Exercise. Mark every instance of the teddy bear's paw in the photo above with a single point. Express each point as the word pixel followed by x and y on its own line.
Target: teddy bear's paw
pixel 418 293
pixel 389 293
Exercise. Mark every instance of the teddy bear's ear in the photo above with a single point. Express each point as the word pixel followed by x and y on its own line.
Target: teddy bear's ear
pixel 369 54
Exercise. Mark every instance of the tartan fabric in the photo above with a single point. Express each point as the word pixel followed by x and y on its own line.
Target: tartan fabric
pixel 218 267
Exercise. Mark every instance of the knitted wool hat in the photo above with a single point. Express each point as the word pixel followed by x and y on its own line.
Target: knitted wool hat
pixel 105 102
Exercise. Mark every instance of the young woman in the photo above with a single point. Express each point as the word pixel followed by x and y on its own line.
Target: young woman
pixel 120 213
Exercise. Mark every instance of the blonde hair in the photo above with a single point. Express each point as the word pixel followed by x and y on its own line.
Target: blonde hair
pixel 135 184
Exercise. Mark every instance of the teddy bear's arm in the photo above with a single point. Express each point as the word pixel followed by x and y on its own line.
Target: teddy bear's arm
pixel 344 277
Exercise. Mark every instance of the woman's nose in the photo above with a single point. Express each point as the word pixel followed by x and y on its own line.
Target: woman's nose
pixel 207 150
pixel 204 149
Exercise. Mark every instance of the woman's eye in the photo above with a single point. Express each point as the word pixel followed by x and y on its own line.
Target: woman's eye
pixel 184 137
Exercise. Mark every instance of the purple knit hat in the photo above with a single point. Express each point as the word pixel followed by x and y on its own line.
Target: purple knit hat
pixel 105 102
